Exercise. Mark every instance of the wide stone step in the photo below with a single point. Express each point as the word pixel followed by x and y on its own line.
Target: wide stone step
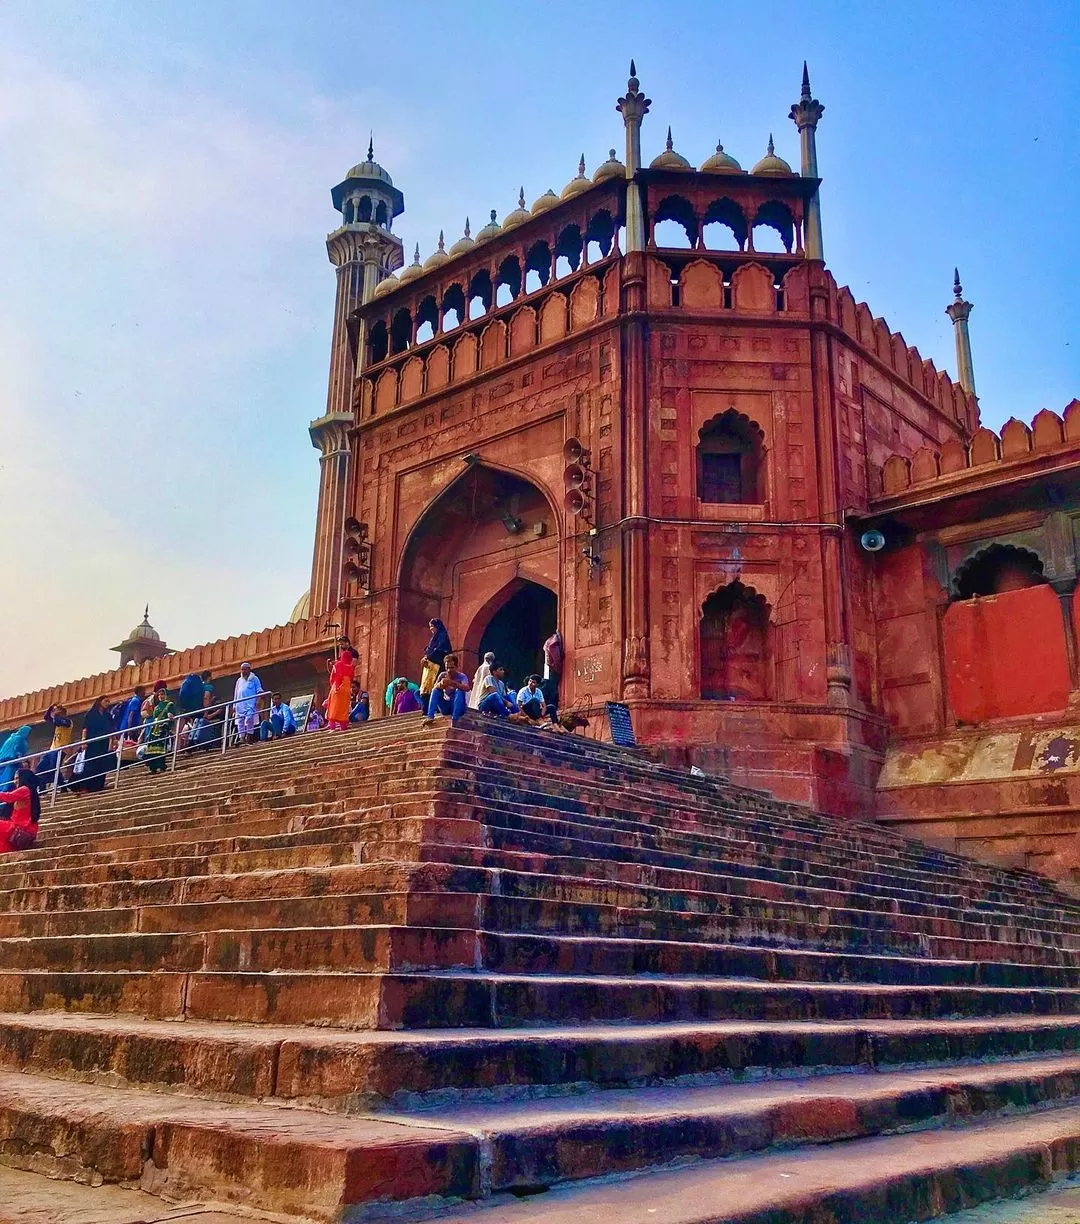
pixel 908 1177
pixel 286 1160
pixel 536 1144
pixel 359 1071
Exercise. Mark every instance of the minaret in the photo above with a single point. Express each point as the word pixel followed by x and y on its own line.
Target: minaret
pixel 959 312
pixel 363 249
pixel 633 107
pixel 805 115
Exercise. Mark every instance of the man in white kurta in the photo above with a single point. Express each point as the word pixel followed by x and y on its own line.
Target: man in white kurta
pixel 246 693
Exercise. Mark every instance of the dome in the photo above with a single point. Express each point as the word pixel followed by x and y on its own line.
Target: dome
pixel 669 159
pixel 437 257
pixel 577 185
pixel 612 168
pixel 490 230
pixel 370 169
pixel 144 631
pixel 520 214
pixel 773 165
pixel 548 200
pixel 302 608
pixel 385 286
pixel 721 163
pixel 464 243
pixel 413 270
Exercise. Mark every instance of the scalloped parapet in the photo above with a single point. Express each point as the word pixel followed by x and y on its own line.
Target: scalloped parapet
pixel 856 320
pixel 1047 433
pixel 260 648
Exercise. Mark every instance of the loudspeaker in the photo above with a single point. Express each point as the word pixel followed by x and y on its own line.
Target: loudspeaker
pixel 575 501
pixel 573 450
pixel 872 541
pixel 575 476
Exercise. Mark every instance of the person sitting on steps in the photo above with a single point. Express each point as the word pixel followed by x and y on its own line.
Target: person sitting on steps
pixel 493 699
pixel 448 695
pixel 279 721
pixel 531 701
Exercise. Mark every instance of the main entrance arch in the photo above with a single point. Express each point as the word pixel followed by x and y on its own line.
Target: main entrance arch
pixel 484 558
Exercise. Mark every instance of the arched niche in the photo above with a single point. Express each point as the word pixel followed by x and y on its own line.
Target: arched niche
pixel 735 656
pixel 731 460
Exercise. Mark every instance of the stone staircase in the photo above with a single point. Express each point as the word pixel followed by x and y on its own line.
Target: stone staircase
pixel 494 974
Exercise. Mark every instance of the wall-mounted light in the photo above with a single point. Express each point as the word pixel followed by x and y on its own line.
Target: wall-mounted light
pixel 511 523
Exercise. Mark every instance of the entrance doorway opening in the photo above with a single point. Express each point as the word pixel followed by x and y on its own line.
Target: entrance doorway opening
pixel 517 632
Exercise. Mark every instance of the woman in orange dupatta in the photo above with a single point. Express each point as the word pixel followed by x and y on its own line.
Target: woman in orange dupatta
pixel 339 703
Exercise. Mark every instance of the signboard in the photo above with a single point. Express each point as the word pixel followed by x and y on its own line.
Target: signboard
pixel 622 729
pixel 301 708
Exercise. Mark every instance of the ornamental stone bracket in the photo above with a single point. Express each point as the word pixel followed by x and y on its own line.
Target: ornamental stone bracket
pixel 330 433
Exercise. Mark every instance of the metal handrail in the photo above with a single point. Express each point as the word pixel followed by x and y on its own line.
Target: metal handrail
pixel 122 736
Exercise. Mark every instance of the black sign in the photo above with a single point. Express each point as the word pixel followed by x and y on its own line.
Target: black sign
pixel 622 729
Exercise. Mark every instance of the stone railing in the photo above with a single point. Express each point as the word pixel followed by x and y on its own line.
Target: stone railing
pixel 1048 432
pixel 260 648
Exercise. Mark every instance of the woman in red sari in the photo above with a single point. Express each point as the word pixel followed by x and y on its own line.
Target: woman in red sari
pixel 19 830
pixel 339 703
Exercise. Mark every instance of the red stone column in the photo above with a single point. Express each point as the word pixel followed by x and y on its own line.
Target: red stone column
pixel 834 588
pixel 635 541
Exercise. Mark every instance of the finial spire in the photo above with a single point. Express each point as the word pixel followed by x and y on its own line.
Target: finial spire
pixel 805 83
pixel 771 151
pixel 581 166
pixel 371 146
pixel 521 198
pixel 146 614
pixel 669 144
pixel 633 70
pixel 493 218
pixel 468 232
pixel 442 241
pixel 957 288
pixel 416 255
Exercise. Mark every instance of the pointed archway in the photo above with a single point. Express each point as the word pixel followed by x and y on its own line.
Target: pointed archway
pixel 487 536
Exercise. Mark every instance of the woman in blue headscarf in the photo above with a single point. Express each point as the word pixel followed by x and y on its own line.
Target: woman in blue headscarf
pixel 435 652
pixel 16 745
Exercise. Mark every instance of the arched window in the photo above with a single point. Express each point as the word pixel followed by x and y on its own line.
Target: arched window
pixel 568 251
pixel 730 461
pixel 996 569
pixel 480 294
pixel 775 217
pixel 599 236
pixel 683 228
pixel 427 319
pixel 507 281
pixel 401 331
pixel 724 226
pixel 453 308
pixel 381 216
pixel 363 210
pixel 537 267
pixel 379 341
pixel 734 645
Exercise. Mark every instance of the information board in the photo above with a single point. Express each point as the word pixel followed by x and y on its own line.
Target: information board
pixel 622 729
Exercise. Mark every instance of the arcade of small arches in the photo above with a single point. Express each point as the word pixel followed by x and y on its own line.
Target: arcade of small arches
pixel 516 276
pixel 724 224
pixel 359 209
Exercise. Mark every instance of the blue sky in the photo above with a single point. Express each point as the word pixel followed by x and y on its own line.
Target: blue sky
pixel 166 301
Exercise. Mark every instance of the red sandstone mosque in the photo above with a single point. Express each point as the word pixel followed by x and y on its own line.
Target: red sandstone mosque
pixel 754 512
